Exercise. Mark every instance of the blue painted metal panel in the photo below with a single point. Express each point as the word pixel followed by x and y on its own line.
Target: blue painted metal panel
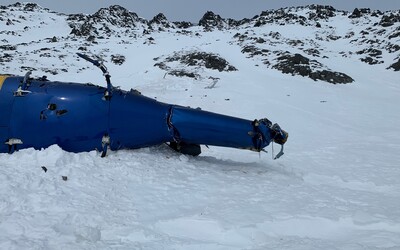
pixel 202 127
pixel 77 121
pixel 6 102
pixel 9 85
pixel 137 121
pixel 86 112
pixel 80 117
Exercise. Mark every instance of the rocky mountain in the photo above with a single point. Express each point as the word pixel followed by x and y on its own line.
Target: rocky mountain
pixel 304 41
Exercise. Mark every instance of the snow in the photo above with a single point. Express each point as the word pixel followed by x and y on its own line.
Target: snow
pixel 336 187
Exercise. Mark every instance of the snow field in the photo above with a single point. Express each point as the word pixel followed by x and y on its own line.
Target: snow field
pixel 336 187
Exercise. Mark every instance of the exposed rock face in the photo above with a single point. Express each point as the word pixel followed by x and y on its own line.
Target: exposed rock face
pixel 208 60
pixel 322 11
pixel 285 16
pixel 299 65
pixel 5 57
pixel 8 47
pixel 290 63
pixel 202 59
pixel 370 60
pixel 183 25
pixel 372 56
pixel 116 20
pixel 31 7
pixel 118 59
pixel 191 62
pixel 76 18
pixel 105 22
pixel 331 77
pixel 160 22
pixel 395 66
pixel 254 51
pixel 389 20
pixel 211 20
pixel 313 52
pixel 183 73
pixel 117 16
pixel 160 19
pixel 357 13
pixel 278 16
pixel 25 6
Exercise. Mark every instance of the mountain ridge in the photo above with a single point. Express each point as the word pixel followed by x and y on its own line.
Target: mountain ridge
pixel 269 38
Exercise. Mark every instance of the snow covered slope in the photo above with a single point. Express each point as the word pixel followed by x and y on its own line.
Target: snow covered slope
pixel 328 77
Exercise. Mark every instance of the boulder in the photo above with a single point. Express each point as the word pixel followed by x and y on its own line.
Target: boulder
pixel 210 21
pixel 395 66
pixel 300 65
pixel 389 20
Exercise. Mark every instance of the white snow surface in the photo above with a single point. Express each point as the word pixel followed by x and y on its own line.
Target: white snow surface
pixel 336 187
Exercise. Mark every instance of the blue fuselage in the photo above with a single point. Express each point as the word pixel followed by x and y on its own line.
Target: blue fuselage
pixel 79 117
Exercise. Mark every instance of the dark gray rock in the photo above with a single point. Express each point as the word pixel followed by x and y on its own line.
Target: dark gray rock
pixel 9 22
pixel 190 63
pixel 8 47
pixel 299 65
pixel 322 11
pixel 208 60
pixel 395 66
pixel 161 65
pixel 161 21
pixel 293 64
pixel 389 20
pixel 370 51
pixel 109 18
pixel 210 21
pixel 117 16
pixel 392 47
pixel 183 73
pixel 76 18
pixel 118 59
pixel 313 52
pixel 331 77
pixel 371 61
pixel 31 7
pixel 254 51
pixel 357 13
pixel 26 68
pixel 394 35
pixel 6 58
pixel 183 25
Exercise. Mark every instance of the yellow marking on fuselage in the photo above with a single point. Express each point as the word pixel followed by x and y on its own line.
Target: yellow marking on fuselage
pixel 2 79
